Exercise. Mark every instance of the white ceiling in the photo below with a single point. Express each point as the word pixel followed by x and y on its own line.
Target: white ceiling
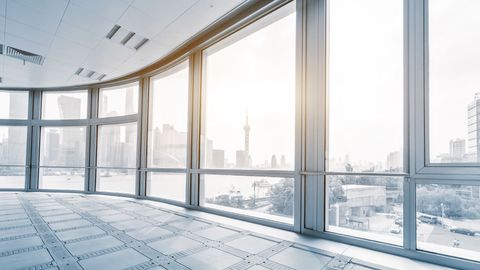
pixel 70 34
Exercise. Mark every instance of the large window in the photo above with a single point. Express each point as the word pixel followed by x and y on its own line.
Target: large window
pixel 13 104
pixel 248 120
pixel 13 148
pixel 116 158
pixel 365 119
pixel 448 219
pixel 368 207
pixel 249 97
pixel 271 198
pixel 13 139
pixel 118 101
pixel 62 148
pixel 62 158
pixel 117 141
pixel 454 86
pixel 64 105
pixel 167 132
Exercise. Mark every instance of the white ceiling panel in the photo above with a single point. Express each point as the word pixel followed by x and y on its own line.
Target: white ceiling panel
pixel 109 9
pixel 2 7
pixel 72 33
pixel 68 52
pixel 107 56
pixel 80 36
pixel 88 21
pixel 28 32
pixel 44 15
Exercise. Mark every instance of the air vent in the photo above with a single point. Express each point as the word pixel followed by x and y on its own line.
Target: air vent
pixel 90 74
pixel 24 55
pixel 126 38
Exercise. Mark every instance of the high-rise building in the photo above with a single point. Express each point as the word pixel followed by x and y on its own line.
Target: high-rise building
pixel 394 161
pixel 457 150
pixel 16 136
pixel 243 159
pixel 474 129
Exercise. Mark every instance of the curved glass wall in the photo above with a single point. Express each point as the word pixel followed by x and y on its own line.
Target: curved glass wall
pixel 302 130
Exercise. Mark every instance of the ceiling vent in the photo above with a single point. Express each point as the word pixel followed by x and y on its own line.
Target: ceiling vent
pixel 126 38
pixel 23 55
pixel 90 74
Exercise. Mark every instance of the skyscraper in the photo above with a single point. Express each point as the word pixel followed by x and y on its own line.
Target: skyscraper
pixel 243 159
pixel 473 129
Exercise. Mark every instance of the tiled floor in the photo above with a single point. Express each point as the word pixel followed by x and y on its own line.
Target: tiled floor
pixel 73 231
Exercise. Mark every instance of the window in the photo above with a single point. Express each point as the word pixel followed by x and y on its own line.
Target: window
pixel 365 86
pixel 118 101
pixel 62 147
pixel 13 138
pixel 64 105
pixel 116 158
pixel 368 207
pixel 13 104
pixel 448 219
pixel 13 149
pixel 249 97
pixel 454 87
pixel 265 197
pixel 170 186
pixel 168 119
pixel 167 133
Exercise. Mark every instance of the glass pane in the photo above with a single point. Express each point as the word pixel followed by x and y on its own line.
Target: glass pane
pixel 13 145
pixel 64 105
pixel 448 219
pixel 119 181
pixel 365 85
pixel 170 186
pixel 454 84
pixel 118 101
pixel 368 207
pixel 117 145
pixel 63 146
pixel 168 116
pixel 249 98
pixel 265 197
pixel 61 178
pixel 13 104
pixel 12 177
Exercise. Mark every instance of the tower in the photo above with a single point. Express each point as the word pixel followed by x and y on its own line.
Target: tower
pixel 246 129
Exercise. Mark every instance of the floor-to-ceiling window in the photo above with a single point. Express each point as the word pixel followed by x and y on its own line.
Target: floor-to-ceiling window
pixel 63 140
pixel 13 138
pixel 167 159
pixel 116 159
pixel 248 120
pixel 448 201
pixel 365 130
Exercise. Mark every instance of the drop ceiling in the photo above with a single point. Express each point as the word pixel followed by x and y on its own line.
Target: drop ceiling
pixel 75 40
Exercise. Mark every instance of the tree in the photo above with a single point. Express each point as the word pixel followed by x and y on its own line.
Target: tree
pixel 281 197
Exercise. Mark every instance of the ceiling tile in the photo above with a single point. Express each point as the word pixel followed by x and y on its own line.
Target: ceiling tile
pixel 90 22
pixel 150 17
pixel 107 56
pixel 76 34
pixel 44 15
pixel 167 10
pixel 68 52
pixel 109 9
pixel 29 33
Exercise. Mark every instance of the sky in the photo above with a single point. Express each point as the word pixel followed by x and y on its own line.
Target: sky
pixel 365 79
pixel 454 68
